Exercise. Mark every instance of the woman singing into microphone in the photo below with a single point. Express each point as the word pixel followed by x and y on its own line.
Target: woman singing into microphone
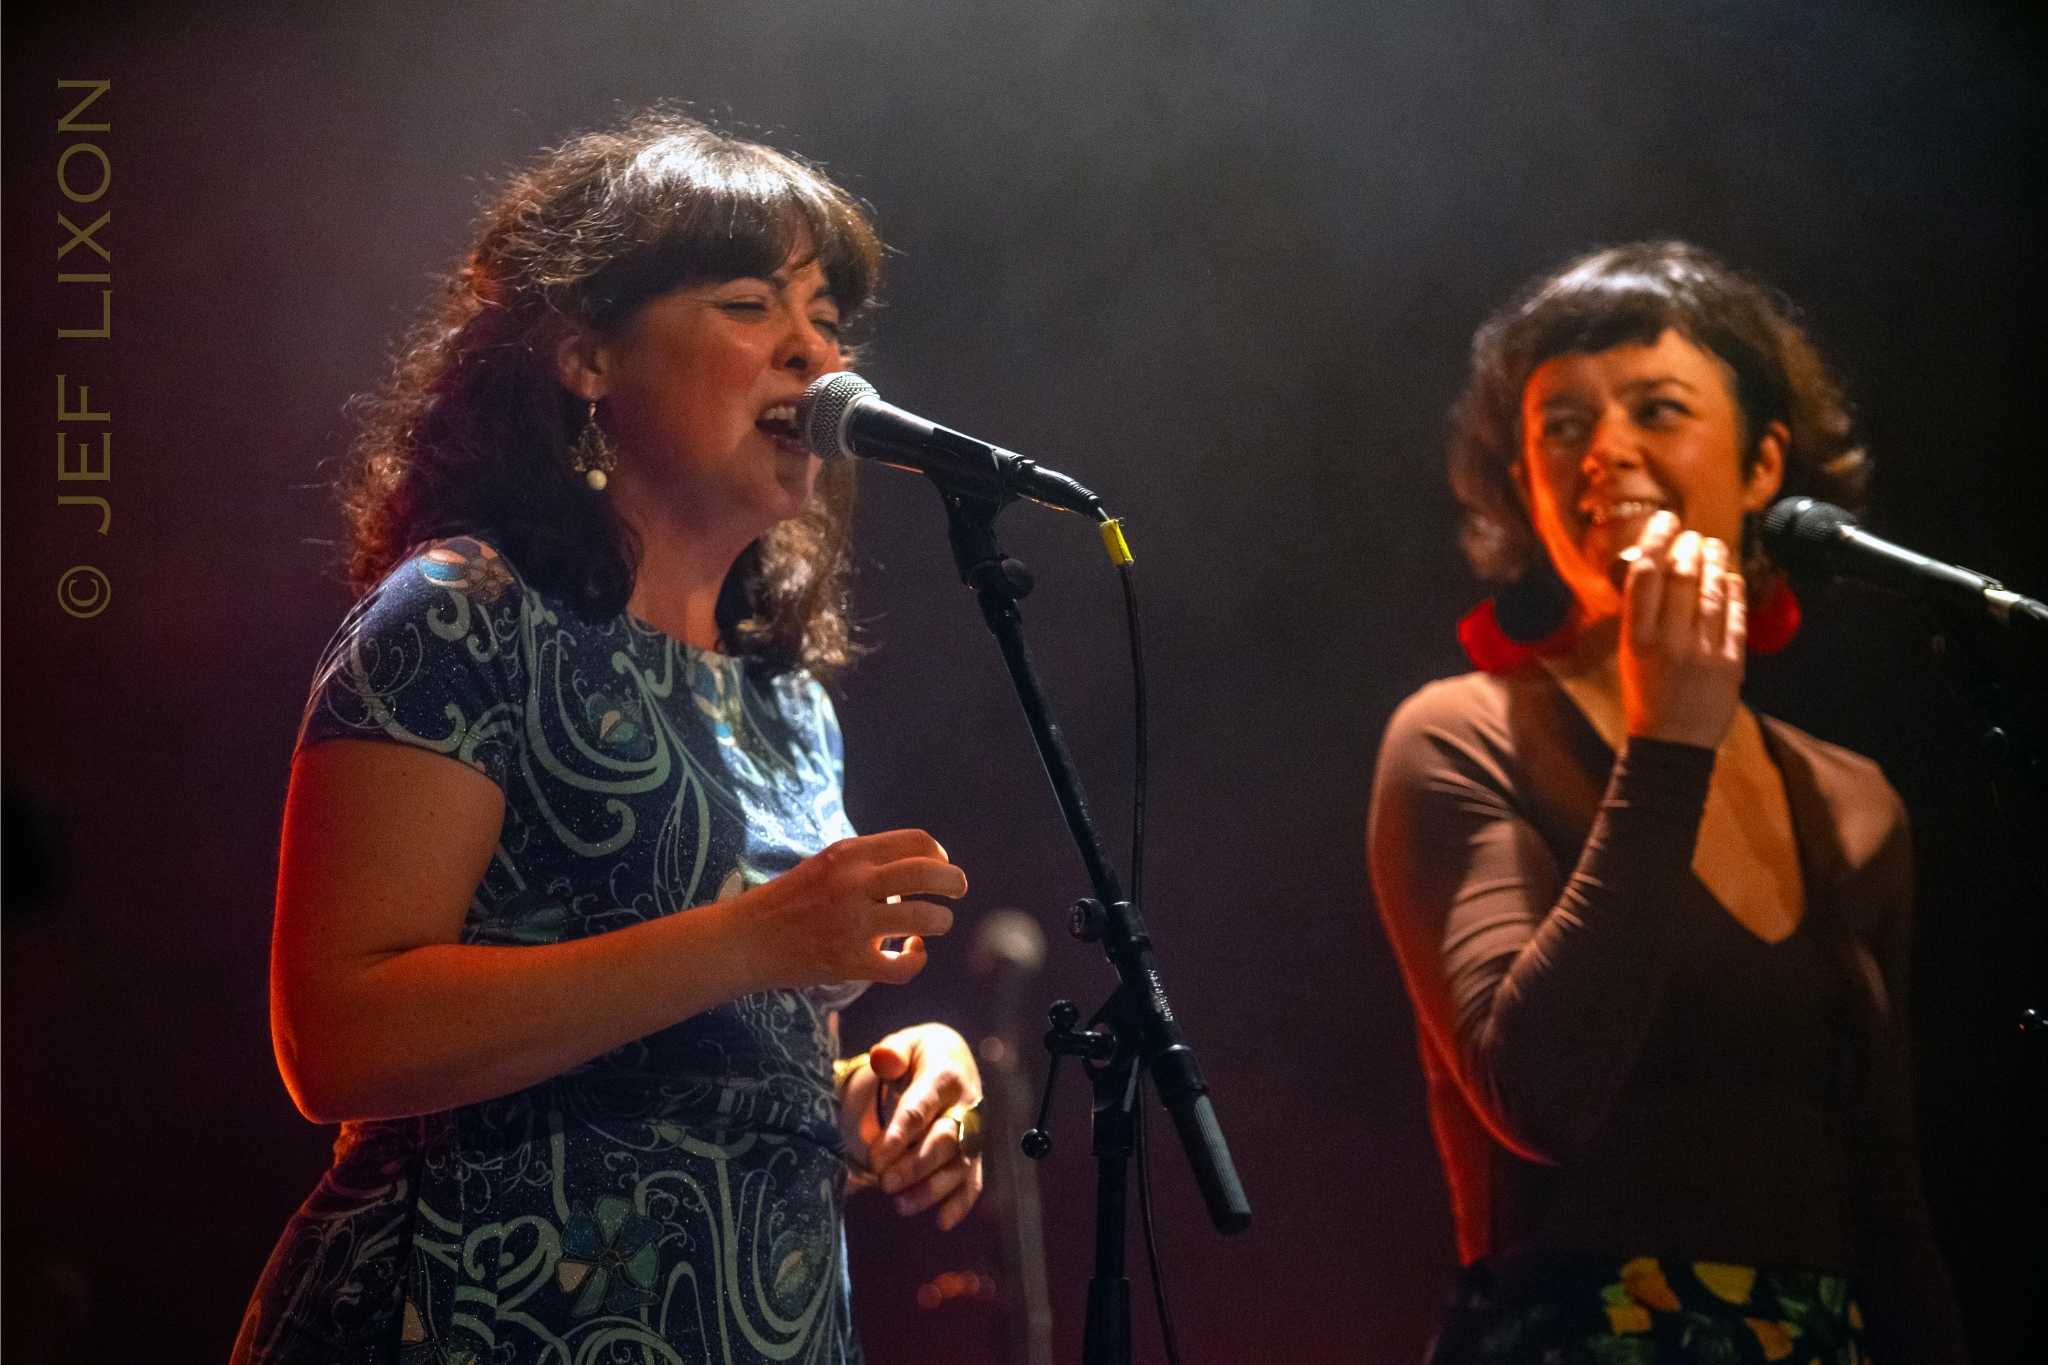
pixel 567 902
pixel 1656 944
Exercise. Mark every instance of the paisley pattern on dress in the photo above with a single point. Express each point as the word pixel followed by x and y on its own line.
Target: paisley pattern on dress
pixel 677 1199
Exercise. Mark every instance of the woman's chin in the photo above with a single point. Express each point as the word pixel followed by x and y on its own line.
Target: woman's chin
pixel 1594 587
pixel 1604 543
pixel 792 496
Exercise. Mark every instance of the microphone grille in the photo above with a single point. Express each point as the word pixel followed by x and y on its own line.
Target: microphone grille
pixel 1799 531
pixel 821 413
pixel 1009 939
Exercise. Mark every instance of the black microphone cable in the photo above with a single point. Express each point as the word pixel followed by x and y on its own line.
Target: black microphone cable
pixel 1120 555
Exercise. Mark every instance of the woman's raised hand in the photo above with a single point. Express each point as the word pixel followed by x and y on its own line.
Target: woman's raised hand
pixel 1684 632
pixel 830 917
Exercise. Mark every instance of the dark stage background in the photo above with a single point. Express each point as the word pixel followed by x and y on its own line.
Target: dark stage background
pixel 1222 262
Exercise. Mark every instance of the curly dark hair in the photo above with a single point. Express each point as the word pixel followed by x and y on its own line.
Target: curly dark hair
pixel 471 432
pixel 1634 293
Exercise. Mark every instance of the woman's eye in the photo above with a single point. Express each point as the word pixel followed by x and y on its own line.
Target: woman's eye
pixel 828 326
pixel 744 306
pixel 1558 430
pixel 1658 410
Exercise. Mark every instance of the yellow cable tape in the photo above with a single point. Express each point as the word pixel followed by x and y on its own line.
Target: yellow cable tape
pixel 1114 542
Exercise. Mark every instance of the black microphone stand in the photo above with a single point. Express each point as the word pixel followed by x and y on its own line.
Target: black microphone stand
pixel 2014 744
pixel 1136 1026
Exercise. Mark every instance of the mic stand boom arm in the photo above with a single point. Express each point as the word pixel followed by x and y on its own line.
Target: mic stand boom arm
pixel 1143 1028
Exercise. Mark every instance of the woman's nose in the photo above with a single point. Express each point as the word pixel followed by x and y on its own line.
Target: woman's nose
pixel 1611 445
pixel 806 349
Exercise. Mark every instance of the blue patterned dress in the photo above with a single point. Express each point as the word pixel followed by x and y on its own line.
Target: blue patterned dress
pixel 675 1200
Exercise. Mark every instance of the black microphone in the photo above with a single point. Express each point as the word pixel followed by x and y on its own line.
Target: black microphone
pixel 1808 536
pixel 840 414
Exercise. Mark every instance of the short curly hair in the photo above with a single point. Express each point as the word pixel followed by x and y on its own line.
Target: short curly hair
pixel 1635 293
pixel 471 433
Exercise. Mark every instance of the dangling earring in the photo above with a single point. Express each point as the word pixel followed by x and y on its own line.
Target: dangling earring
pixel 1535 606
pixel 592 454
pixel 1774 614
pixel 1773 618
pixel 1527 619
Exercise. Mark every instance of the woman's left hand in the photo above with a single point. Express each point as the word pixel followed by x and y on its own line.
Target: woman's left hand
pixel 914 1149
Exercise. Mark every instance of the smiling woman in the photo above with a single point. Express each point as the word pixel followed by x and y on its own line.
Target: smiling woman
pixel 1612 438
pixel 568 902
pixel 1635 294
pixel 1656 944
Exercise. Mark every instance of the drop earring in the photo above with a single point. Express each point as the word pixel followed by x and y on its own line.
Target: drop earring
pixel 1535 606
pixel 1527 619
pixel 592 454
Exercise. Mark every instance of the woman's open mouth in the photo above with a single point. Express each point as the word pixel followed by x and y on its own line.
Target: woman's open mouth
pixel 778 424
pixel 1621 509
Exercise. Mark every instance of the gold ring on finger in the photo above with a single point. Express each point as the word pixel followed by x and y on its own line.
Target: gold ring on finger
pixel 967 1122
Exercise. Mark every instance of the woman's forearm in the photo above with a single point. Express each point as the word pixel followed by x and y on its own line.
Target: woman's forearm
pixel 1533 982
pixel 1565 1023
pixel 379 1010
pixel 440 1025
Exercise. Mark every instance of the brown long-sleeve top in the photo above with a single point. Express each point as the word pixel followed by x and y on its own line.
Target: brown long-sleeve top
pixel 1615 1063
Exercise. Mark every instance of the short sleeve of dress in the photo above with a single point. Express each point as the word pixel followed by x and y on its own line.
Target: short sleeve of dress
pixel 431 657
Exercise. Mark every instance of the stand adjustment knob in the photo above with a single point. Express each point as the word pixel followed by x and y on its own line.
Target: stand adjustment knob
pixel 1017 576
pixel 1087 920
pixel 1037 1140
